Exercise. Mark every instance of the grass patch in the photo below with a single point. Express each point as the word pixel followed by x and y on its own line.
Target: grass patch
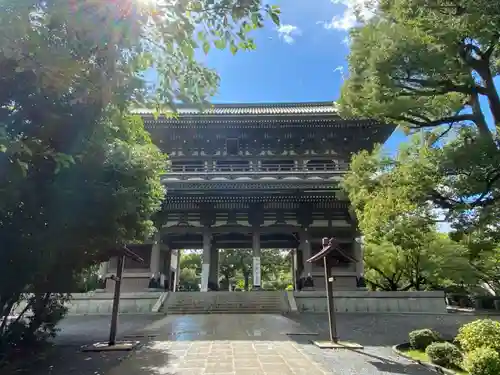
pixel 421 356
pixel 417 354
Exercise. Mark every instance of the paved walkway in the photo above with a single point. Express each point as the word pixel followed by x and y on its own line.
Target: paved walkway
pixel 249 345
pixel 242 344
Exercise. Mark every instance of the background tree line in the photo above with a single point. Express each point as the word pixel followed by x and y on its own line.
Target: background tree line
pixel 79 174
pixel 235 269
pixel 433 73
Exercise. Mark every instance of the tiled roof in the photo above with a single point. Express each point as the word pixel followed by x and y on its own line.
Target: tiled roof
pixel 255 109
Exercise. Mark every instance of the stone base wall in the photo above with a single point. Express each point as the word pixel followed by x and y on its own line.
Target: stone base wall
pixel 341 282
pixel 372 302
pixel 101 303
pixel 131 283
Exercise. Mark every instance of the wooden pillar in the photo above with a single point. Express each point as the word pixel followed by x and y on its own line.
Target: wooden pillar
pixel 167 268
pixel 103 269
pixel 205 267
pixel 305 245
pixel 359 256
pixel 116 300
pixel 213 276
pixel 155 254
pixel 329 296
pixel 256 258
pixel 177 277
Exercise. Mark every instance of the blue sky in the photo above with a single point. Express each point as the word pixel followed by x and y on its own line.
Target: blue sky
pixel 295 62
pixel 302 60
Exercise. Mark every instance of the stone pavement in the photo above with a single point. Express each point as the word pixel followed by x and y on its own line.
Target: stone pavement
pixel 222 358
pixel 243 344
pixel 249 345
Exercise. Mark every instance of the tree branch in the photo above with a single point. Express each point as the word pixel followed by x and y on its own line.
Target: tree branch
pixel 494 41
pixel 489 185
pixel 439 87
pixel 434 123
pixel 375 284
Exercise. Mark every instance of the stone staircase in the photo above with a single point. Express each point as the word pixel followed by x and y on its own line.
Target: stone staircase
pixel 257 302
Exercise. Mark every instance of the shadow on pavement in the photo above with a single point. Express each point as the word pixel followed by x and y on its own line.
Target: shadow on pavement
pixel 65 356
pixel 376 332
pixel 381 329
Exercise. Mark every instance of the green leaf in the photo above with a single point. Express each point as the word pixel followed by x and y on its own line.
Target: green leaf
pixel 23 165
pixel 220 44
pixel 3 148
pixel 206 47
pixel 255 18
pixel 187 49
pixel 246 27
pixel 275 18
pixel 234 48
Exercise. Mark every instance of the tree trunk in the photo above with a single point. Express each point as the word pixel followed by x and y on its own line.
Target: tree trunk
pixel 247 280
pixel 493 97
pixel 39 311
pixel 7 306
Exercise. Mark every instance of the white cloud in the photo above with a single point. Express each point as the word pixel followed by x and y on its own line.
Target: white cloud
pixel 354 11
pixel 288 33
pixel 340 69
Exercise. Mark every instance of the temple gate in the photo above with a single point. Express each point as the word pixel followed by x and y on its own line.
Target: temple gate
pixel 255 176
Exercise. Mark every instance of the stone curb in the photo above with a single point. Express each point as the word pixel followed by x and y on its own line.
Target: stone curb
pixel 430 366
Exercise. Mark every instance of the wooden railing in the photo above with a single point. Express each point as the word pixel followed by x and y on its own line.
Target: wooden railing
pixel 264 168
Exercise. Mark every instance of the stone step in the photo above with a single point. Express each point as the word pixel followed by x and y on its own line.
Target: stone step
pixel 226 302
pixel 232 308
pixel 242 304
pixel 223 311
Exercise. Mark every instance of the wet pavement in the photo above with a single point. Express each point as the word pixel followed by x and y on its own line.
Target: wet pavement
pixel 251 344
pixel 243 344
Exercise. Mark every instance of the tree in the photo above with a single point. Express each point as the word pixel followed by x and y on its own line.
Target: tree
pixel 233 260
pixel 189 279
pixel 191 261
pixel 190 271
pixel 274 264
pixel 80 175
pixel 403 249
pixel 229 264
pixel 433 63
pixel 483 253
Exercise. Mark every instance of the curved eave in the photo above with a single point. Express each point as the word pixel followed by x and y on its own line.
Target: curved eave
pixel 249 109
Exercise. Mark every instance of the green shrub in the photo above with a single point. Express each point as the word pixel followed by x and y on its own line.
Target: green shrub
pixel 479 333
pixel 482 361
pixel 422 338
pixel 444 354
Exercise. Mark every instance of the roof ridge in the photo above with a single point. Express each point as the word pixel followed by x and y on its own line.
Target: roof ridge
pixel 273 104
pixel 246 109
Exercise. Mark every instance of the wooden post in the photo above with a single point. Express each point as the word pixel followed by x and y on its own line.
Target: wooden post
pixel 329 297
pixel 116 300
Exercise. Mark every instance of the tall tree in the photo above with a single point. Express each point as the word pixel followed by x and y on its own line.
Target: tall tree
pixel 403 248
pixel 79 174
pixel 433 63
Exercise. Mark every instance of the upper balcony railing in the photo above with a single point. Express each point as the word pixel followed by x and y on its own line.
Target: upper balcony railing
pixel 253 169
